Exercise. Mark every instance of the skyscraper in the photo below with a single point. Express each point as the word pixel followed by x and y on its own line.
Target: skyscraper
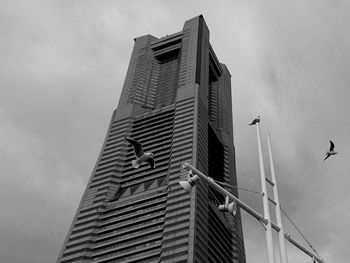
pixel 176 101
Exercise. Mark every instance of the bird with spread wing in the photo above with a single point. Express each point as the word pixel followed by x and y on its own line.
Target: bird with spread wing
pixel 255 121
pixel 141 156
pixel 331 150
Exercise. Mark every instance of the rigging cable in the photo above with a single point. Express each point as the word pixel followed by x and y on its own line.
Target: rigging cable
pixel 300 232
pixel 243 189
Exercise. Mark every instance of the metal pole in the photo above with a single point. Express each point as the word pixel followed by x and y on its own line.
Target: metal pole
pixel 268 232
pixel 282 245
pixel 248 209
pixel 296 244
pixel 224 192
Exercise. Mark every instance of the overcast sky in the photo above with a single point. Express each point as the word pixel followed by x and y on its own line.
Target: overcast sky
pixel 63 64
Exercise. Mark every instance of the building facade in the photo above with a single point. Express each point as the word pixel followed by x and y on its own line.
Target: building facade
pixel 176 101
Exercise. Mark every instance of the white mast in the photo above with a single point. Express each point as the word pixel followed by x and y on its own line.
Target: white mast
pixel 268 231
pixel 281 241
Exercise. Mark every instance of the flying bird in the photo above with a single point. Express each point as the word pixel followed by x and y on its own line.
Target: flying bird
pixel 140 155
pixel 255 121
pixel 331 150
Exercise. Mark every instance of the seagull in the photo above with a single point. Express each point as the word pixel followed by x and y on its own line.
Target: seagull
pixel 331 151
pixel 141 156
pixel 255 121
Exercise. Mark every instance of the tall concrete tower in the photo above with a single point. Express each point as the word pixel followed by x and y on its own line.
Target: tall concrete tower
pixel 176 101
